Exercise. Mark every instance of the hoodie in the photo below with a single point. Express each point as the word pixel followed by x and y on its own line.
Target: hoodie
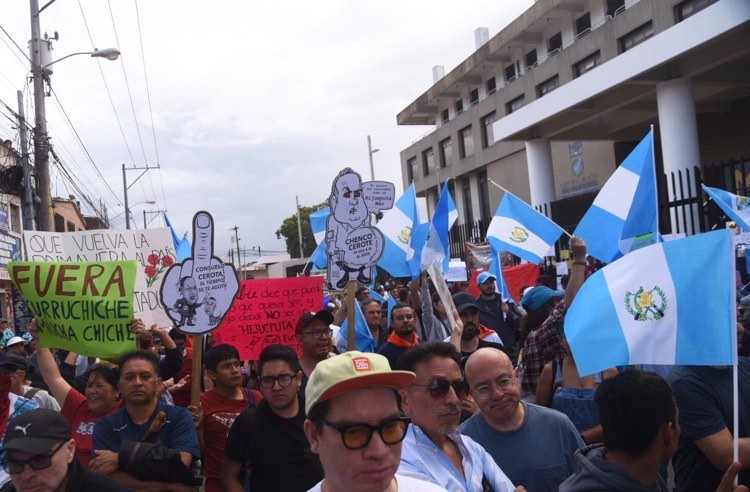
pixel 594 473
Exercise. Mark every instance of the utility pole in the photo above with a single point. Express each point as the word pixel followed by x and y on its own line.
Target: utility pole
pixel 239 256
pixel 41 151
pixel 125 193
pixel 370 151
pixel 299 227
pixel 28 194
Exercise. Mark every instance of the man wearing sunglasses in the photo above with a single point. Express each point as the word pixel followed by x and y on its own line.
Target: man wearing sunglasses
pixel 534 444
pixel 40 455
pixel 433 448
pixel 355 425
pixel 271 436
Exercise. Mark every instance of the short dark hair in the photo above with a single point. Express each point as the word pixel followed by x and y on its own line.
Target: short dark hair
pixel 425 352
pixel 110 373
pixel 219 353
pixel 363 305
pixel 176 334
pixel 633 406
pixel 278 352
pixel 399 305
pixel 146 355
pixel 403 294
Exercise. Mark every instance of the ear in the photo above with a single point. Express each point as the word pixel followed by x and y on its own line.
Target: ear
pixel 71 451
pixel 300 375
pixel 312 436
pixel 515 372
pixel 211 374
pixel 405 402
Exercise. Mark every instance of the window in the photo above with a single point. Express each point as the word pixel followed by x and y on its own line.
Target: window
pixel 685 9
pixel 510 72
pixel 583 25
pixel 465 142
pixel 531 58
pixel 547 86
pixel 474 97
pixel 586 64
pixel 488 138
pixel 491 87
pixel 446 152
pixel 468 211
pixel 514 105
pixel 614 6
pixel 459 106
pixel 484 196
pixel 636 36
pixel 15 218
pixel 554 43
pixel 445 116
pixel 410 165
pixel 428 161
pixel 71 227
pixel 59 223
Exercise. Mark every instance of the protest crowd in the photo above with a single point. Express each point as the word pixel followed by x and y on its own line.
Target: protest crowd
pixel 487 397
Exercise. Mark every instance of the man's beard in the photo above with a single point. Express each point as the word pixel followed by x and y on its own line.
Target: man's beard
pixel 470 331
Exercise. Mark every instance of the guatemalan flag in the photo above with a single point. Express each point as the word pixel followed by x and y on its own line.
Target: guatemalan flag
pixel 623 216
pixel 521 230
pixel 318 223
pixel 396 226
pixel 363 340
pixel 426 248
pixel 445 216
pixel 736 207
pixel 182 246
pixel 668 303
pixel 500 286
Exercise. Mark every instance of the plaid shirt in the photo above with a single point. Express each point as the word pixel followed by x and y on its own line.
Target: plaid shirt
pixel 543 345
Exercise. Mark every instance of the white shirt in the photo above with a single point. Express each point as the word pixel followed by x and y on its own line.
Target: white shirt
pixel 405 484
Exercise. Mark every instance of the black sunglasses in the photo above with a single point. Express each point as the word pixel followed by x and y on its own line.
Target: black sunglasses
pixel 440 387
pixel 358 436
pixel 39 462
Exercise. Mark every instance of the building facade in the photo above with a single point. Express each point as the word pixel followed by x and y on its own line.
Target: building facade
pixel 551 105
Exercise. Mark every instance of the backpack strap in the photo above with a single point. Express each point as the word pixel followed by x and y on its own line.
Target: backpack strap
pixel 30 394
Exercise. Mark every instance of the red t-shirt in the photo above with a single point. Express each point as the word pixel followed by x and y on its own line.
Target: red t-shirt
pixel 82 419
pixel 219 413
pixel 181 397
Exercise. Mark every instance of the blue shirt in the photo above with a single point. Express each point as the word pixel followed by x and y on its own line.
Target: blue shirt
pixel 538 454
pixel 420 458
pixel 178 431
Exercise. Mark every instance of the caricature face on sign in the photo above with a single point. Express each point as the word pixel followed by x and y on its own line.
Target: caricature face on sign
pixel 197 293
pixel 353 245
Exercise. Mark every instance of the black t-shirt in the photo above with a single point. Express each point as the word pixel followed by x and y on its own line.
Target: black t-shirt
pixel 276 448
pixel 391 352
pixel 491 316
pixel 83 480
pixel 704 396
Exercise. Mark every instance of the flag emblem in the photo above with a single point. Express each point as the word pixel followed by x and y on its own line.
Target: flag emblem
pixel 642 306
pixel 743 202
pixel 519 235
pixel 405 235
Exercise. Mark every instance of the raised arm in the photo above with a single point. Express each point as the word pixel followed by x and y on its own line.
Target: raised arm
pixel 58 386
pixel 578 272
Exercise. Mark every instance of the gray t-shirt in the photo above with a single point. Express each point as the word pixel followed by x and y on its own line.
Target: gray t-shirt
pixel 538 454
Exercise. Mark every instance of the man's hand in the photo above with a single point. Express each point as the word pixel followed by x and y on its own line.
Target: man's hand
pixel 33 329
pixel 138 327
pixel 459 329
pixel 727 481
pixel 197 412
pixel 179 384
pixel 578 248
pixel 105 461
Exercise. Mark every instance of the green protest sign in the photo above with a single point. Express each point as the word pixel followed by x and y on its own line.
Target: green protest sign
pixel 84 307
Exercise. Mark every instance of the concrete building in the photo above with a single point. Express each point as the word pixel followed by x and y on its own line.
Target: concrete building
pixel 67 214
pixel 551 105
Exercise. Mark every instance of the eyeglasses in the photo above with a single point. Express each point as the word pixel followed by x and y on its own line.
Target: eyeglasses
pixel 39 462
pixel 283 379
pixel 484 391
pixel 440 387
pixel 318 334
pixel 358 436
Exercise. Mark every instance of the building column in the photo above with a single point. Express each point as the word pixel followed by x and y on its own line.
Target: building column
pixel 678 130
pixel 541 176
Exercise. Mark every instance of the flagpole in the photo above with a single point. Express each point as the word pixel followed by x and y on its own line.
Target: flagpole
pixel 656 182
pixel 507 191
pixel 735 377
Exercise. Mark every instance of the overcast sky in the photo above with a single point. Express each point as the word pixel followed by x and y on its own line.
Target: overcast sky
pixel 252 102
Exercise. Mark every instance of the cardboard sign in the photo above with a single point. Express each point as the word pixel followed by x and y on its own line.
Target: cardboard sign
pixel 266 312
pixel 197 293
pixel 152 248
pixel 84 307
pixel 353 245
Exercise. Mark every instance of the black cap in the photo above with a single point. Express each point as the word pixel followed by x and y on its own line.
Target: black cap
pixel 16 362
pixel 36 431
pixel 307 318
pixel 464 300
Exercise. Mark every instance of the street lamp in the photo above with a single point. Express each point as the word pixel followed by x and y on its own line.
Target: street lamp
pixel 39 72
pixel 371 151
pixel 128 212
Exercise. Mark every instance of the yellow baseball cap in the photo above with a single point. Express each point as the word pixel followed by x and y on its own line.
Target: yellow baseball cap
pixel 352 371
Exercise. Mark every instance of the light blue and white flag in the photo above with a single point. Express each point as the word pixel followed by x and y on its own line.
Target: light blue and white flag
pixel 391 304
pixel 445 216
pixel 318 223
pixel 668 303
pixel 426 248
pixel 376 297
pixel 500 286
pixel 624 216
pixel 736 207
pixel 396 226
pixel 362 337
pixel 182 247
pixel 521 230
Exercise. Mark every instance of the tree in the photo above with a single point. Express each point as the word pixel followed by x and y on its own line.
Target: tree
pixel 289 231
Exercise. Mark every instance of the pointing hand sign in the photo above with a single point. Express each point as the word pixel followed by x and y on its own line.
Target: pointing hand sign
pixel 197 293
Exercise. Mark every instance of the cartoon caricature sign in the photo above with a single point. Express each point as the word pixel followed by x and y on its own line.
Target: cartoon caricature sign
pixel 353 245
pixel 197 293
